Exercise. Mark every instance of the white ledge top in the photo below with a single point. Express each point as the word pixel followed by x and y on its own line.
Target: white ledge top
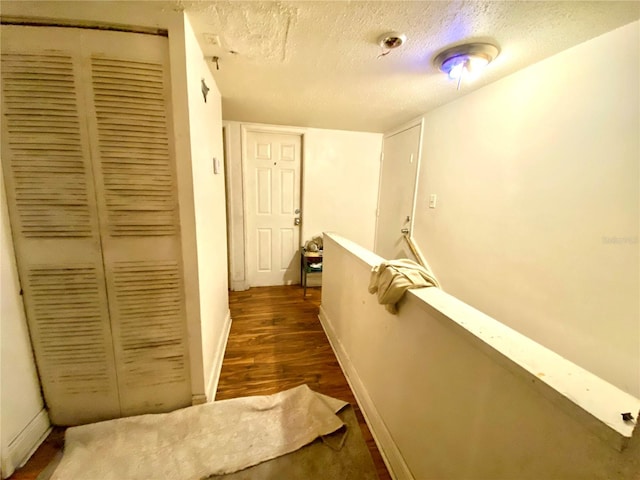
pixel 601 401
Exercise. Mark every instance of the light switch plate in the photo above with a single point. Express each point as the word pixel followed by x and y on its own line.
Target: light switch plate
pixel 433 199
pixel 216 165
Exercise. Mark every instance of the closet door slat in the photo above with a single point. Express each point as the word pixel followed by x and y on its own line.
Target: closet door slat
pixel 89 164
pixel 50 193
pixel 67 305
pixel 138 203
pixel 144 198
pixel 149 298
pixel 53 212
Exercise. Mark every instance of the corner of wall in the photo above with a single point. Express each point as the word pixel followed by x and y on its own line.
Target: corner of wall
pixel 182 135
pixel 208 178
pixel 26 443
pixel 214 375
pixel 24 421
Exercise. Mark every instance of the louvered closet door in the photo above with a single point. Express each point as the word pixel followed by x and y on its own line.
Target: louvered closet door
pixel 134 165
pixel 51 199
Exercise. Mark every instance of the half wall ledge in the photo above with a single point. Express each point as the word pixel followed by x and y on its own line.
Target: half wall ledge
pixel 442 350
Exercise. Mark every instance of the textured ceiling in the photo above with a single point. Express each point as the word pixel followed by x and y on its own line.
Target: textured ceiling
pixel 314 63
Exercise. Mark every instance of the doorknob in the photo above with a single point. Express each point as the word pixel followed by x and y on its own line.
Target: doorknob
pixel 296 221
pixel 405 231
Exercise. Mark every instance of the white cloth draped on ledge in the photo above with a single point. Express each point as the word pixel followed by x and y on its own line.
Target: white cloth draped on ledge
pixel 392 278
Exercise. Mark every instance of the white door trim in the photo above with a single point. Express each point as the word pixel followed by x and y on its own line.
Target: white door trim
pixel 403 128
pixel 245 129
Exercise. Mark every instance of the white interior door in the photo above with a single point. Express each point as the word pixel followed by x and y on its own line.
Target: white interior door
pixel 272 205
pixel 397 187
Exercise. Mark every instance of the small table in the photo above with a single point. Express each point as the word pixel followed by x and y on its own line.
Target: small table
pixel 310 262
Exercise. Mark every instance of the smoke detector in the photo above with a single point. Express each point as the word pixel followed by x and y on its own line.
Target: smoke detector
pixel 392 40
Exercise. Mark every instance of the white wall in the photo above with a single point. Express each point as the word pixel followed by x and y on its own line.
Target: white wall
pixel 205 121
pixel 450 393
pixel 21 403
pixel 537 177
pixel 340 171
pixel 340 187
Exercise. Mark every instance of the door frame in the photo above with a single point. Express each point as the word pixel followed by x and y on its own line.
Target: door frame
pixel 245 129
pixel 413 123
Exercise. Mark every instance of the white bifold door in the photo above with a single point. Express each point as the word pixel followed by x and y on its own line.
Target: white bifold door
pixel 89 166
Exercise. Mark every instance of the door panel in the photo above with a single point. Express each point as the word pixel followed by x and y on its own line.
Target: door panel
pixel 52 206
pixel 288 248
pixel 263 193
pixel 397 187
pixel 287 199
pixel 264 249
pixel 89 166
pixel 127 84
pixel 272 173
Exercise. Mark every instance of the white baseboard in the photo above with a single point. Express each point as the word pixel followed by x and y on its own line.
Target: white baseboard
pixel 28 440
pixel 391 455
pixel 212 381
pixel 239 285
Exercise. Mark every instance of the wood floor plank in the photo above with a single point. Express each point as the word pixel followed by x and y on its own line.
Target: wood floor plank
pixel 277 342
pixel 42 456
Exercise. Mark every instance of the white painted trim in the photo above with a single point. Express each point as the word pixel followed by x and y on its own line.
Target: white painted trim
pixel 243 177
pixel 228 197
pixel 235 206
pixel 391 455
pixel 416 180
pixel 214 376
pixel 304 155
pixel 28 440
pixel 405 126
pixel 375 232
pixel 266 128
pixel 239 285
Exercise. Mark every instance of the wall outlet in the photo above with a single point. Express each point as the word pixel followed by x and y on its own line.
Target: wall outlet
pixel 433 199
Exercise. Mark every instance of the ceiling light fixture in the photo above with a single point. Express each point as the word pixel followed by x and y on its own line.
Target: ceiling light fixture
pixel 466 60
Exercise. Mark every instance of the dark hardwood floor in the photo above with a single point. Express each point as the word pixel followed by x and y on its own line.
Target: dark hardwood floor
pixel 276 342
pixel 42 456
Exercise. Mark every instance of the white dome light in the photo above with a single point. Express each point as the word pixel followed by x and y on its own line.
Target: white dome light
pixel 465 61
